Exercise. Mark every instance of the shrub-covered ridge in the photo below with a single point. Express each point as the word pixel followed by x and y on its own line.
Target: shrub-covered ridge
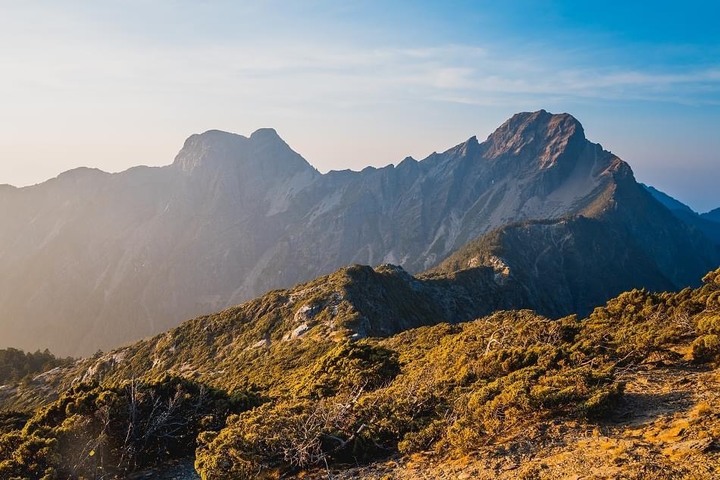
pixel 253 409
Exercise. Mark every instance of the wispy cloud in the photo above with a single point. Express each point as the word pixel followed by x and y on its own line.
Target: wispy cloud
pixel 322 74
pixel 51 54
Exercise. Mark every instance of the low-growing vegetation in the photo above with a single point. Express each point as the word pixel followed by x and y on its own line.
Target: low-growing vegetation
pixel 262 404
pixel 482 381
pixel 95 431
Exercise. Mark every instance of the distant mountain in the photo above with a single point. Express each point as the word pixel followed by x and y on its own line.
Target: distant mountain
pixel 91 259
pixel 708 223
pixel 713 215
pixel 669 202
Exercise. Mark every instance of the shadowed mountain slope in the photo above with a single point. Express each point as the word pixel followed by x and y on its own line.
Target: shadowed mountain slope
pixel 708 223
pixel 713 215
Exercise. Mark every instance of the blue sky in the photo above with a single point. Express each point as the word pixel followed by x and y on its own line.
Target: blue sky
pixel 355 83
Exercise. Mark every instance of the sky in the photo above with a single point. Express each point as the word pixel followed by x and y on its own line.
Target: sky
pixel 352 83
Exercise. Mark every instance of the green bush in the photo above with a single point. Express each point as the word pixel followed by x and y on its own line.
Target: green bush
pixel 284 436
pixel 350 366
pixel 92 429
pixel 706 349
pixel 709 324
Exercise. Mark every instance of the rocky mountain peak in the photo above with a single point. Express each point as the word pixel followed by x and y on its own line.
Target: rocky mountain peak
pixel 470 146
pixel 82 173
pixel 264 150
pixel 540 135
pixel 266 135
pixel 210 148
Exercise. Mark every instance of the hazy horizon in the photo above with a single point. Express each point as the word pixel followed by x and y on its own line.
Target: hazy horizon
pixel 120 84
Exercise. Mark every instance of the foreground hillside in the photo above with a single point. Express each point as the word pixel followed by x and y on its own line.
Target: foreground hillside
pixel 284 385
pixel 92 260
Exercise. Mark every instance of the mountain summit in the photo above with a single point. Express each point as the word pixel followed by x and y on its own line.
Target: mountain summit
pixel 106 259
pixel 538 136
pixel 263 151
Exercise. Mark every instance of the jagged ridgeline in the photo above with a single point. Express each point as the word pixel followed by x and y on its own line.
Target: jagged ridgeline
pixel 282 385
pixel 92 260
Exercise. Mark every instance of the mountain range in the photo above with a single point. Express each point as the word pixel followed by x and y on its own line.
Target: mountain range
pixel 537 212
pixel 506 323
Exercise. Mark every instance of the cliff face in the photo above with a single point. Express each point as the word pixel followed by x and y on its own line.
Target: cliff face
pixel 91 260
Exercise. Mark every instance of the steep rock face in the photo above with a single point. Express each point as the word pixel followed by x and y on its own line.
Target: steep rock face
pixel 91 260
